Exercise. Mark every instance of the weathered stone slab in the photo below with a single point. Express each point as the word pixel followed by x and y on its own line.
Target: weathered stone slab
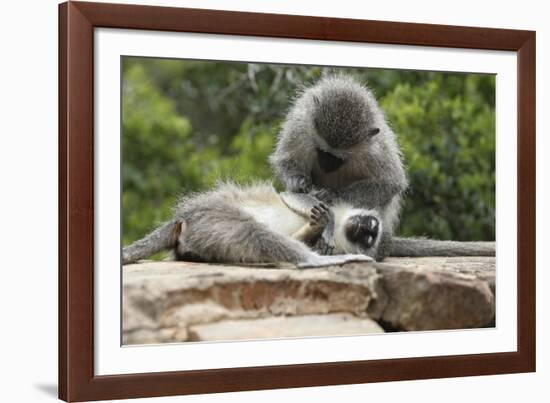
pixel 436 293
pixel 284 326
pixel 182 301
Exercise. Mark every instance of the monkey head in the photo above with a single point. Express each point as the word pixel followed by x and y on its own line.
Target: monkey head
pixel 341 114
pixel 358 231
pixel 362 229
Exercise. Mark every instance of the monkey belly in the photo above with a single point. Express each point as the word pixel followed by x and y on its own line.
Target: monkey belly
pixel 277 217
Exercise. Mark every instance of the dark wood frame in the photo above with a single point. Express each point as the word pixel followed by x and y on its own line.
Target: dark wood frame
pixel 77 21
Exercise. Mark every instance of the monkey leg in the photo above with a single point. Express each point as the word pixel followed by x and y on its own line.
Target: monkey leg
pixel 182 251
pixel 162 238
pixel 221 232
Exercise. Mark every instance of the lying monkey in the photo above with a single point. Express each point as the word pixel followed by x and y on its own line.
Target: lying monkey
pixel 255 224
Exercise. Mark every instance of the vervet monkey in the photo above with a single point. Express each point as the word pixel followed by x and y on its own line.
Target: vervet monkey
pixel 255 224
pixel 336 143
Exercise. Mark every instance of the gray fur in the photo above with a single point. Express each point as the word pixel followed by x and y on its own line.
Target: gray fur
pixel 414 247
pixel 335 142
pixel 218 226
pixel 337 116
pixel 303 204
pixel 219 231
pixel 162 238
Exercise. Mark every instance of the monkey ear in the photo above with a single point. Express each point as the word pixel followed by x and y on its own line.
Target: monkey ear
pixel 373 132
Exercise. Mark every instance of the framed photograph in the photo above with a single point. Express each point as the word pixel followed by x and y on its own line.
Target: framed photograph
pixel 255 201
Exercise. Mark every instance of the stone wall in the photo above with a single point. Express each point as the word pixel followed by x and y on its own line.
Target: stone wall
pixel 182 301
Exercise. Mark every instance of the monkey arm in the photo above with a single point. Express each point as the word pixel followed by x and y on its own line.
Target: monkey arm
pixel 294 177
pixel 321 222
pixel 300 203
pixel 308 234
pixel 319 217
pixel 293 157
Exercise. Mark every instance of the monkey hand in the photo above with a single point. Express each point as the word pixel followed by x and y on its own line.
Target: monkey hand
pixel 324 195
pixel 323 218
pixel 319 216
pixel 299 184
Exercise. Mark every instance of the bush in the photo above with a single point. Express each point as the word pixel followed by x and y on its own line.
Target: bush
pixel 447 134
pixel 187 124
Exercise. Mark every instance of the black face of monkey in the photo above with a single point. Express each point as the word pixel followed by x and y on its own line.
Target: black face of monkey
pixel 328 162
pixel 362 230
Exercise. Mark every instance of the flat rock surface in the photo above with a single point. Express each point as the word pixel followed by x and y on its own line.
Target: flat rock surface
pixel 332 324
pixel 183 301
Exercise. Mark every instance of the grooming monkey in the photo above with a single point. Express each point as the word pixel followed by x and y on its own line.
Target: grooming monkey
pixel 335 143
pixel 255 224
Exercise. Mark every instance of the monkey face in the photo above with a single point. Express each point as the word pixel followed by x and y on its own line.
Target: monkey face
pixel 362 230
pixel 357 230
pixel 329 162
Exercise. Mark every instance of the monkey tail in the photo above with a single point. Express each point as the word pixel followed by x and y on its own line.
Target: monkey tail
pixel 418 247
pixel 162 238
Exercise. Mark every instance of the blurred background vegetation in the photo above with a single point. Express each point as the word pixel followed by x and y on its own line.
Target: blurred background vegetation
pixel 187 124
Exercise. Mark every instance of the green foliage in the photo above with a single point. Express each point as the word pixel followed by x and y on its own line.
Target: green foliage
pixel 162 157
pixel 156 143
pixel 447 133
pixel 188 124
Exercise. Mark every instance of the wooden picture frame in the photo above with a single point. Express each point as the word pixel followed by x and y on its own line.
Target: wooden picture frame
pixel 77 21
